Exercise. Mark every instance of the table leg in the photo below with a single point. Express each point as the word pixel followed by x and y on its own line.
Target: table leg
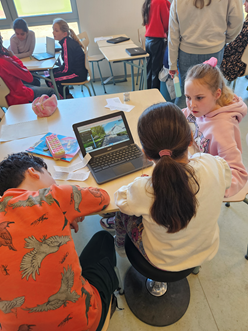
pixel 54 83
pixel 132 75
pixel 145 74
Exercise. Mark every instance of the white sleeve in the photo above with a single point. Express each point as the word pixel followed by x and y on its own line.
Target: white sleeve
pixel 227 171
pixel 235 19
pixel 174 36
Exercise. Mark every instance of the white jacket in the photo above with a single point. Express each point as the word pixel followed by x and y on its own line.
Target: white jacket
pixel 202 31
pixel 199 241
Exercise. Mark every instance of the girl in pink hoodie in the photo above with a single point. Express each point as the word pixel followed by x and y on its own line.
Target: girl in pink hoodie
pixel 215 112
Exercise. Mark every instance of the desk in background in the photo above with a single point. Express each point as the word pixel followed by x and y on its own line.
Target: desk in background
pixel 34 65
pixel 117 53
pixel 76 110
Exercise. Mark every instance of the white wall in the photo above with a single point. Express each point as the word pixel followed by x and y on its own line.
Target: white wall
pixel 108 17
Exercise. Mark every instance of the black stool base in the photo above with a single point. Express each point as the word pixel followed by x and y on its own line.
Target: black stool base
pixel 156 311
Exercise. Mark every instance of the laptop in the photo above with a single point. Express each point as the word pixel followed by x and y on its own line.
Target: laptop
pixel 109 141
pixel 50 50
pixel 135 51
pixel 117 40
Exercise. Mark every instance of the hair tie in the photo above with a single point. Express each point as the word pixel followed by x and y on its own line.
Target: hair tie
pixel 212 62
pixel 163 152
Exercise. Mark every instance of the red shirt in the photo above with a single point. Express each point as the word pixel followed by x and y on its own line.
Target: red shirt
pixel 41 282
pixel 158 21
pixel 12 71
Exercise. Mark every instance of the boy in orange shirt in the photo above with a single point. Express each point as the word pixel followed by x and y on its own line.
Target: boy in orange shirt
pixel 44 285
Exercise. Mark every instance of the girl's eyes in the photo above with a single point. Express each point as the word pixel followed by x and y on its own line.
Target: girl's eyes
pixel 199 98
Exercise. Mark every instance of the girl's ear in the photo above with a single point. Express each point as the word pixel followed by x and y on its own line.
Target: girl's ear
pixel 192 139
pixel 146 155
pixel 218 94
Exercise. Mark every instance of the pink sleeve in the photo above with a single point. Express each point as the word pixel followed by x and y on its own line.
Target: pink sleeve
pixel 14 67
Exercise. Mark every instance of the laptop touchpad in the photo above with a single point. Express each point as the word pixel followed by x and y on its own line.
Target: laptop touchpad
pixel 123 168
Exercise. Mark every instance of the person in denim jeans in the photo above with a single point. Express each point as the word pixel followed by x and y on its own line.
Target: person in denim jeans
pixel 200 31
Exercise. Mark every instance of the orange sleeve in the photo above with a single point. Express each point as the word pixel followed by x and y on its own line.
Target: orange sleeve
pixel 78 201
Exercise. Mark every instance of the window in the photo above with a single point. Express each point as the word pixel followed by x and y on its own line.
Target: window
pixel 36 11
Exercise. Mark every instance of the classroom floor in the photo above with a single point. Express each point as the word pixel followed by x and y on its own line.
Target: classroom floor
pixel 219 293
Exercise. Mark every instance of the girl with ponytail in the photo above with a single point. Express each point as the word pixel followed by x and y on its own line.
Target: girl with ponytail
pixel 171 216
pixel 215 113
pixel 73 69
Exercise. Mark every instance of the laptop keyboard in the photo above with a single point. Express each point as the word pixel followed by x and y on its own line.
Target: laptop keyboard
pixel 116 157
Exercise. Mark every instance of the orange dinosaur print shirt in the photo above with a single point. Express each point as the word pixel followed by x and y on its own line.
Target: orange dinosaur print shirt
pixel 41 283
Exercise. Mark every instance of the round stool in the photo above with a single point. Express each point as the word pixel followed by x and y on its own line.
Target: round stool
pixel 155 296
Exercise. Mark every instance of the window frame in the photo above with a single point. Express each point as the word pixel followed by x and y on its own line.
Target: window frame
pixel 11 14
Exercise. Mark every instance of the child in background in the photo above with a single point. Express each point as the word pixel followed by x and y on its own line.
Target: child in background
pixel 73 69
pixel 45 284
pixel 216 113
pixel 155 15
pixel 13 73
pixel 22 43
pixel 174 227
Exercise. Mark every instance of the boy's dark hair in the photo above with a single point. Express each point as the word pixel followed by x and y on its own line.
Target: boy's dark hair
pixel 13 168
pixel 20 23
pixel 164 126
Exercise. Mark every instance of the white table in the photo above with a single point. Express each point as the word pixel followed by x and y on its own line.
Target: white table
pixel 104 43
pixel 118 53
pixel 76 110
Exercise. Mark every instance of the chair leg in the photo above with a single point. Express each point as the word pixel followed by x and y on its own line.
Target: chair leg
pixel 64 94
pixel 246 256
pixel 92 86
pixel 120 288
pixel 227 204
pixel 234 84
pixel 111 72
pixel 87 89
pixel 92 69
pixel 196 270
pixel 101 77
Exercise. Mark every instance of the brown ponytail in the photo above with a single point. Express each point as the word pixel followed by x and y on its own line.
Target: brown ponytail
pixel 164 126
pixel 64 27
pixel 201 3
pixel 145 11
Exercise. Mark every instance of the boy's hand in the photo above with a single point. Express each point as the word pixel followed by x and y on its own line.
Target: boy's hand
pixel 74 223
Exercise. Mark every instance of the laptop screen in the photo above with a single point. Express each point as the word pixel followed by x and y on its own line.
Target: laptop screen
pixel 50 45
pixel 103 134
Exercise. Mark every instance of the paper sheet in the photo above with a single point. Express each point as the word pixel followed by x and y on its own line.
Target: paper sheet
pixel 116 104
pixel 77 176
pixel 75 166
pixel 23 129
pixel 101 38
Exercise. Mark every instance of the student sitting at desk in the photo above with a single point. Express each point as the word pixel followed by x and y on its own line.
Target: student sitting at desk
pixel 12 71
pixel 43 282
pixel 73 69
pixel 172 216
pixel 22 43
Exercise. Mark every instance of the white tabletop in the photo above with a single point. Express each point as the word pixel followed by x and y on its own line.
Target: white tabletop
pixel 76 110
pixel 118 53
pixel 104 43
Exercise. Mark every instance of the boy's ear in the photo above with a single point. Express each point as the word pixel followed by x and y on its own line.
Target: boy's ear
pixel 192 139
pixel 33 173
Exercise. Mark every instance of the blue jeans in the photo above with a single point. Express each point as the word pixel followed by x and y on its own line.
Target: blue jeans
pixel 38 91
pixel 185 61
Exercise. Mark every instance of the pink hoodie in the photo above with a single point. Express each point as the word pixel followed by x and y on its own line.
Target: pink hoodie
pixel 217 133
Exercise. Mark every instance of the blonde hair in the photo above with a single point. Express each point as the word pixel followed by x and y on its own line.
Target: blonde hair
pixel 201 3
pixel 64 27
pixel 213 79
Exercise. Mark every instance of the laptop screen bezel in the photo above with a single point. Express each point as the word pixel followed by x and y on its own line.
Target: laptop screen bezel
pixel 97 119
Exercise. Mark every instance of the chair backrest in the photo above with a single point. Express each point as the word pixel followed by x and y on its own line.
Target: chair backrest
pixel 4 90
pixel 244 59
pixel 83 37
pixel 141 36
